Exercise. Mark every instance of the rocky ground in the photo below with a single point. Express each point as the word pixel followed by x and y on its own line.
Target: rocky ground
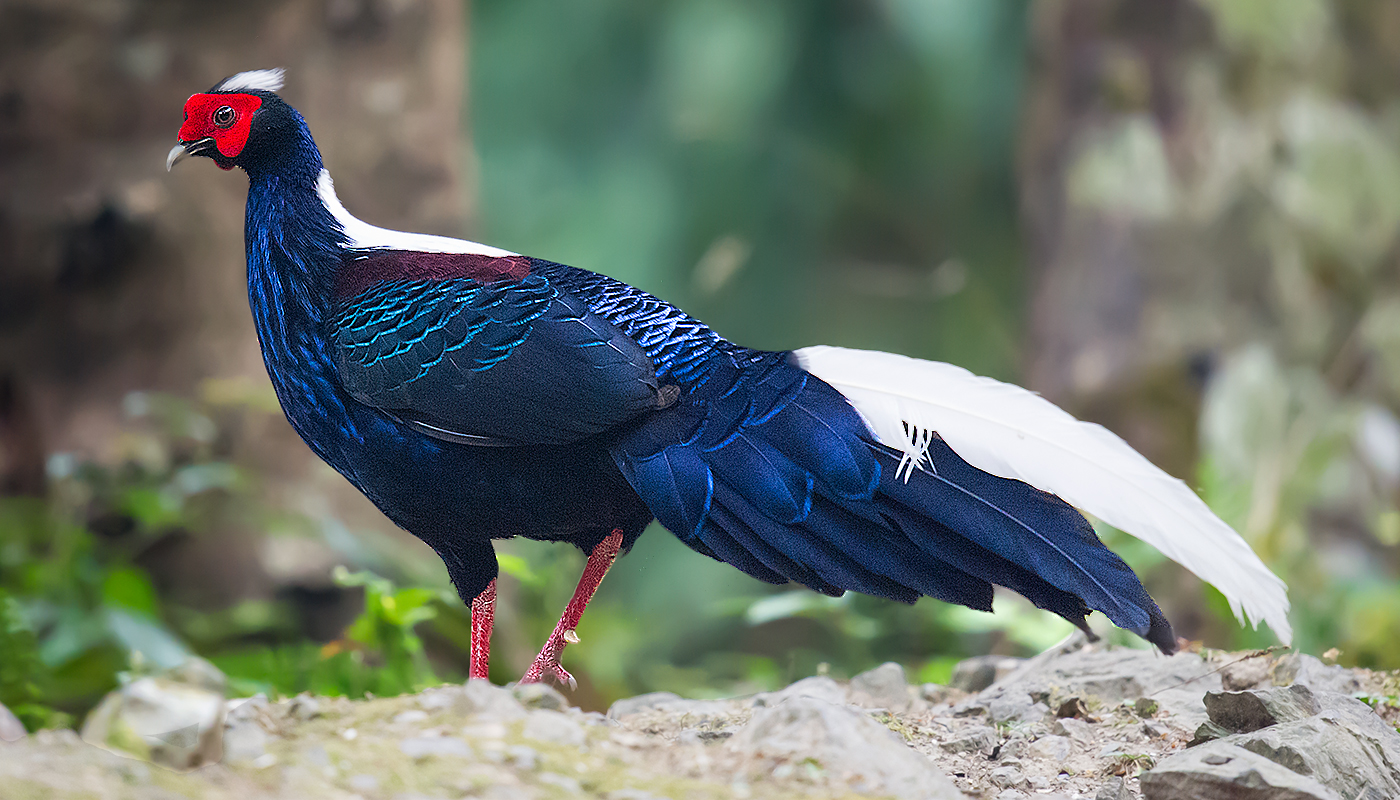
pixel 1075 722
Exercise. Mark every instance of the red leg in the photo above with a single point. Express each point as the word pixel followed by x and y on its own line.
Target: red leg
pixel 547 662
pixel 483 614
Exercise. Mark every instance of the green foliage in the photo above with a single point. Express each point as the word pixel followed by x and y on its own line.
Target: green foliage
pixel 379 653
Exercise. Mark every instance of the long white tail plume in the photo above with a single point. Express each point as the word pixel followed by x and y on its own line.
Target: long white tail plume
pixel 1014 433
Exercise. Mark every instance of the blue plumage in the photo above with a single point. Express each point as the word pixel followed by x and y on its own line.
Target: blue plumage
pixel 475 396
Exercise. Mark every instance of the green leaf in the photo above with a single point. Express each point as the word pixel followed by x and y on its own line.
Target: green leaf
pixel 518 568
pixel 129 588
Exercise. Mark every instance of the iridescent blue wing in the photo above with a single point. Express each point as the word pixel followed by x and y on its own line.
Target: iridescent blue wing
pixel 482 351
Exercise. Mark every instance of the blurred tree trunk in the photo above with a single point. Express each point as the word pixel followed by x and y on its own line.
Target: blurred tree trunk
pixel 1211 194
pixel 115 275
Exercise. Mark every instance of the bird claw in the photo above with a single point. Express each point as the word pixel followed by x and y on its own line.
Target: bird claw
pixel 546 665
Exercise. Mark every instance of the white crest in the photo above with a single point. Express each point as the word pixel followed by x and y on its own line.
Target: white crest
pixel 266 80
pixel 364 235
pixel 1011 432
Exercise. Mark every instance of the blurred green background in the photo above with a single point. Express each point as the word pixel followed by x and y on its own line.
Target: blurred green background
pixel 1178 219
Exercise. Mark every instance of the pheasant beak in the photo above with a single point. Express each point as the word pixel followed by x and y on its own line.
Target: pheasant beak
pixel 181 151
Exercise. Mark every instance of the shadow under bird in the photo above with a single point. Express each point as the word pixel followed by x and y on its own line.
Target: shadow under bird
pixel 476 394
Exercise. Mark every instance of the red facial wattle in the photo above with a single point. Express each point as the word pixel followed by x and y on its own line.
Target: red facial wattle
pixel 205 116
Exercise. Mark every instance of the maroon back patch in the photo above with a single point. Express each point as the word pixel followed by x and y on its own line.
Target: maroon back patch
pixel 407 265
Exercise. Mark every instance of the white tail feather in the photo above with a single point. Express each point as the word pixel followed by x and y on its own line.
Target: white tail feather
pixel 1014 433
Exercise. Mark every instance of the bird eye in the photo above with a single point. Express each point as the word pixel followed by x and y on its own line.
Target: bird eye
pixel 224 117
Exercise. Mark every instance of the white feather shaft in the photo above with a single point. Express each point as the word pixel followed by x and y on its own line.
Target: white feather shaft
pixel 1014 433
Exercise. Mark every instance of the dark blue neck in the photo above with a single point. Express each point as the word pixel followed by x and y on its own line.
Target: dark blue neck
pixel 294 251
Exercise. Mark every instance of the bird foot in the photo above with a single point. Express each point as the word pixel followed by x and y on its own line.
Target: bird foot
pixel 547 662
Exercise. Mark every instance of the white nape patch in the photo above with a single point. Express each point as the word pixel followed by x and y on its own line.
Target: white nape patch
pixel 362 235
pixel 266 80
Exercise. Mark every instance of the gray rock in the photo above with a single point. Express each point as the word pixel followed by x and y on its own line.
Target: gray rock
pixel 523 758
pixel 1346 747
pixel 553 726
pixel 1223 771
pixel 1241 712
pixel 671 704
pixel 539 695
pixel 197 672
pixel 11 729
pixel 363 783
pixel 304 707
pixel 628 706
pixel 171 724
pixel 563 782
pixel 976 739
pixel 435 746
pixel 882 687
pixel 1008 777
pixel 1113 789
pixel 1299 668
pixel 409 717
pixel 977 673
pixel 244 740
pixel 1245 674
pixel 1076 729
pixel 819 686
pixel 481 697
pixel 1175 682
pixel 1054 749
pixel 1016 708
pixel 847 744
pixel 936 693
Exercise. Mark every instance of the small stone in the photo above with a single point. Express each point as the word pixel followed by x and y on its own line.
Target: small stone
pixel 882 687
pixel 409 717
pixel 1245 674
pixel 638 794
pixel 539 695
pixel 1054 749
pixel 11 729
pixel 1013 749
pixel 1012 794
pixel 1016 708
pixel 977 673
pixel 171 724
pixel 628 706
pixel 1154 730
pixel 1113 789
pixel 1207 732
pixel 304 707
pixel 523 758
pixel 553 726
pixel 1072 708
pixel 434 746
pixel 976 739
pixel 1307 670
pixel 439 698
pixel 1242 712
pixel 819 686
pixel 1224 770
pixel 936 693
pixel 1076 729
pixel 481 697
pixel 199 673
pixel 847 745
pixel 245 709
pixel 1007 777
pixel 561 781
pixel 244 740
pixel 362 783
